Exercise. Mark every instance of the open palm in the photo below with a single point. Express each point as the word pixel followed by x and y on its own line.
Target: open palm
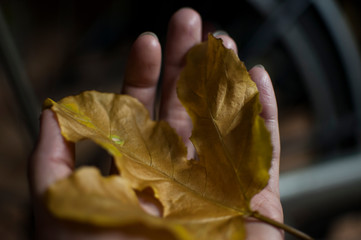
pixel 53 157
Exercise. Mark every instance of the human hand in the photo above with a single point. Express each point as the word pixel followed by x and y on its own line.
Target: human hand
pixel 53 157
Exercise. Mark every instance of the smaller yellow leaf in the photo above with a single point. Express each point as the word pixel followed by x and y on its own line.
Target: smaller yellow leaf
pixel 103 201
pixel 116 201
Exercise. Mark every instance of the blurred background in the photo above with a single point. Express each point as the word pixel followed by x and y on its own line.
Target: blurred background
pixel 311 50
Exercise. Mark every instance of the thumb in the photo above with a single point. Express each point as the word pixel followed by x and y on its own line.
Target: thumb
pixel 53 156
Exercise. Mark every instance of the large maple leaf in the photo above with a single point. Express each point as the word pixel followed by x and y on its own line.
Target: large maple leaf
pixel 206 197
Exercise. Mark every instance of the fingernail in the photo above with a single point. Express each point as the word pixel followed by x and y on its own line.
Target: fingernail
pixel 149 33
pixel 220 32
pixel 260 66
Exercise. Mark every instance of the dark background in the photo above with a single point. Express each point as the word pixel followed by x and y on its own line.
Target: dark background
pixel 67 47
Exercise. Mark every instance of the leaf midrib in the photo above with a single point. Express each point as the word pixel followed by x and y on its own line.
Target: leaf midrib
pixel 211 117
pixel 205 197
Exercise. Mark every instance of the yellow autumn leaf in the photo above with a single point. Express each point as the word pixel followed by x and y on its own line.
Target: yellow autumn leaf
pixel 200 198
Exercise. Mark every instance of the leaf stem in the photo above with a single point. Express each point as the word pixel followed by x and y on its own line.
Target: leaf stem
pixel 282 226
